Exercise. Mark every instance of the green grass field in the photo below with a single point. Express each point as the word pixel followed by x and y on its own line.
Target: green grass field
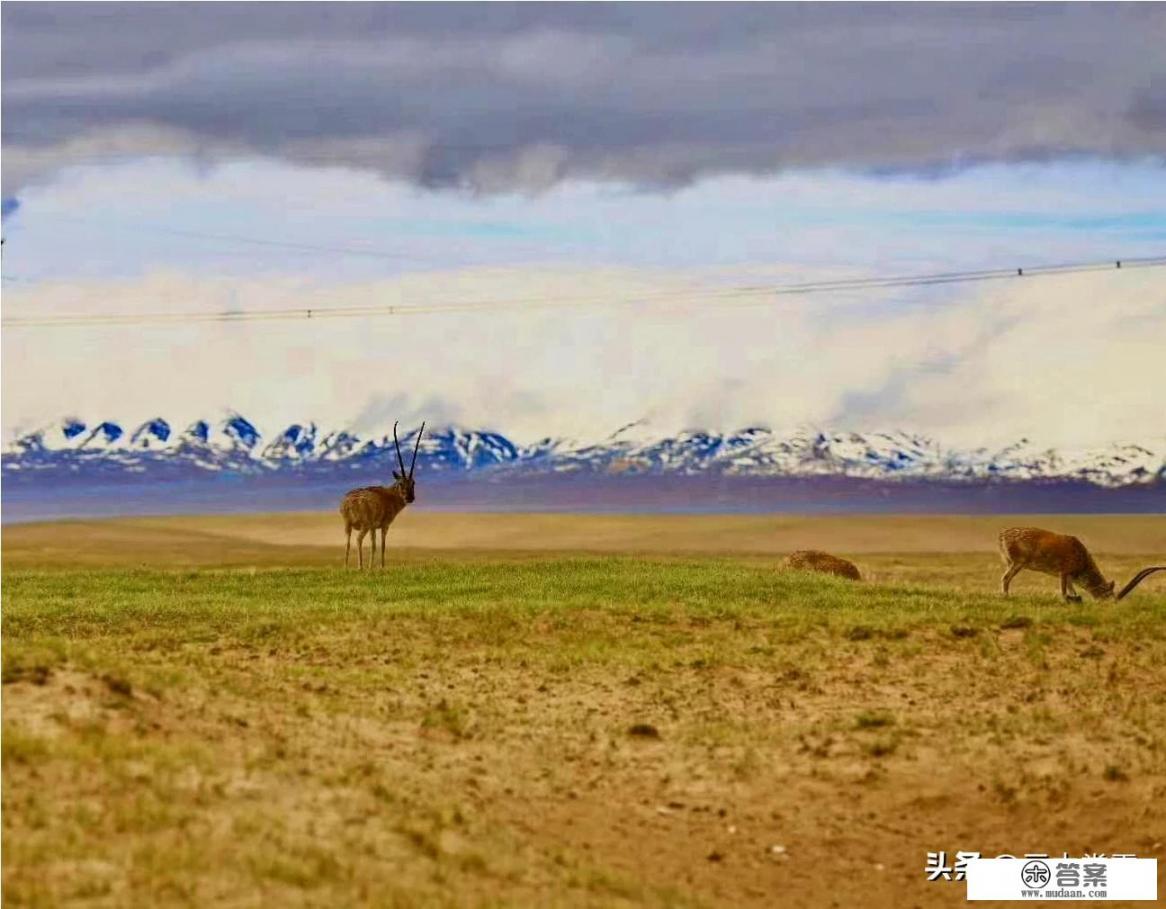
pixel 528 726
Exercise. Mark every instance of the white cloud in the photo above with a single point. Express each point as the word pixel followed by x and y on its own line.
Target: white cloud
pixel 1067 360
pixel 1061 360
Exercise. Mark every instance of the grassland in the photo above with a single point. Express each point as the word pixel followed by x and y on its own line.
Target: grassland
pixel 209 711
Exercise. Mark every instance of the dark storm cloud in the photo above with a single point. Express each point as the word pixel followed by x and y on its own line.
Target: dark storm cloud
pixel 501 97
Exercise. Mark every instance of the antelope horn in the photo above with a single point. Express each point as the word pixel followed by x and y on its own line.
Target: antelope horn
pixel 413 465
pixel 400 460
pixel 1138 578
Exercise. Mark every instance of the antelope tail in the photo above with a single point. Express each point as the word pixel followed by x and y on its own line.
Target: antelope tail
pixel 1138 578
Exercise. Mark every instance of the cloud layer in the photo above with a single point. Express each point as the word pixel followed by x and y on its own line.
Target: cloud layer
pixel 1065 360
pixel 986 365
pixel 496 97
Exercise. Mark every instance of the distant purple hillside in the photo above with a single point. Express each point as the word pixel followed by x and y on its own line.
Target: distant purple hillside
pixel 76 468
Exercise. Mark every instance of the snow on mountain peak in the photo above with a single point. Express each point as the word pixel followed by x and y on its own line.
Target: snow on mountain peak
pixel 297 441
pixel 198 431
pixel 236 444
pixel 103 435
pixel 240 431
pixel 151 434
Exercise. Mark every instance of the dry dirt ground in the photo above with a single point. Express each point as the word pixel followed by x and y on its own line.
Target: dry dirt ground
pixel 207 711
pixel 299 538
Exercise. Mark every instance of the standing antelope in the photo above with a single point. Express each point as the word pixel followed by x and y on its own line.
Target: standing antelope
pixel 372 507
pixel 1054 553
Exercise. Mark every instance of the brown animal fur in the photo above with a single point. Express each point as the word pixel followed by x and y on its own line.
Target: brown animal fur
pixel 814 560
pixel 372 508
pixel 367 510
pixel 1055 554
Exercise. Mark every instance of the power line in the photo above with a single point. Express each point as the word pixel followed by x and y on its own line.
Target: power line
pixel 740 295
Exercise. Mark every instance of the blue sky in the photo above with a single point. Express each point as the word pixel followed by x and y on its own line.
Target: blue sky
pixel 130 219
pixel 571 156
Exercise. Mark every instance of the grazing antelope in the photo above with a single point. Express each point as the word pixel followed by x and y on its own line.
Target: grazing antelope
pixel 374 507
pixel 1057 554
pixel 814 560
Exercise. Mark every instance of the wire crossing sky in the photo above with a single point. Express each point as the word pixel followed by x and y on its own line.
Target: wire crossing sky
pixel 732 296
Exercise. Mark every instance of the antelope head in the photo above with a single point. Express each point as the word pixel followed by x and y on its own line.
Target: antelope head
pixel 405 478
pixel 1136 580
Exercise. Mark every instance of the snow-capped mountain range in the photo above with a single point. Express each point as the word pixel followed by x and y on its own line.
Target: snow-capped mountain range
pixel 235 445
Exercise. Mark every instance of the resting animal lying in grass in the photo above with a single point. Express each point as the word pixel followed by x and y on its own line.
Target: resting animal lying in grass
pixel 815 560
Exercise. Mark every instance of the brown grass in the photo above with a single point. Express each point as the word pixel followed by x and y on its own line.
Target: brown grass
pixel 314 538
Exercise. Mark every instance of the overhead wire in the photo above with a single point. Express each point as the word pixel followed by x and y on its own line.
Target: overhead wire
pixel 728 296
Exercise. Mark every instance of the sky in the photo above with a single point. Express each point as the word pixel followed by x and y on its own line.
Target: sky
pixel 598 196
